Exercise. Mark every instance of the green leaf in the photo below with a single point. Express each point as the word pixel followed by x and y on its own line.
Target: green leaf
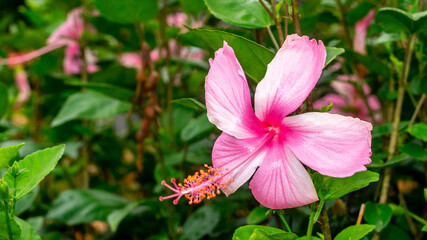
pixel 27 231
pixel 192 6
pixel 245 232
pixel 378 215
pixel 39 164
pixel 202 222
pixel 105 88
pixel 190 103
pixel 397 20
pixel 419 131
pixel 196 128
pixel 84 206
pixel 89 105
pixel 115 218
pixel 127 11
pixel 260 234
pixel 257 215
pixel 27 201
pixel 4 100
pixel 253 57
pixel 16 230
pixel 241 13
pixel 355 232
pixel 332 53
pixel 414 150
pixel 333 188
pixel 9 153
pixel 425 194
pixel 394 161
pixel 424 229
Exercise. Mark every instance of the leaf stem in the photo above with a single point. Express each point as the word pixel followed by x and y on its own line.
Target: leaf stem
pixel 311 221
pixel 319 209
pixel 397 114
pixel 12 210
pixel 284 221
pixel 295 17
pixel 9 228
pixel 277 23
pixel 324 224
pixel 273 39
pixel 417 109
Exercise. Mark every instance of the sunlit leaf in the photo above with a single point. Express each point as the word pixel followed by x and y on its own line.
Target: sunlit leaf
pixel 9 153
pixel 419 131
pixel 246 232
pixel 27 231
pixel 16 230
pixel 355 232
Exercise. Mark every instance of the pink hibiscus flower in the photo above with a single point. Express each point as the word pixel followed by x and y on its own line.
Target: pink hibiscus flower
pixel 268 145
pixel 68 35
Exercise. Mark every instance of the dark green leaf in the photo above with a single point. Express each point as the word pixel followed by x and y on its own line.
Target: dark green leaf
pixel 127 11
pixel 333 188
pixel 394 161
pixel 414 150
pixel 84 206
pixel 192 6
pixel 27 231
pixel 253 57
pixel 260 234
pixel 197 127
pixel 245 232
pixel 190 103
pixel 378 215
pixel 105 88
pixel 202 222
pixel 419 131
pixel 4 100
pixel 257 215
pixel 89 105
pixel 9 153
pixel 116 217
pixel 241 13
pixel 16 230
pixel 397 20
pixel 332 53
pixel 38 164
pixel 425 194
pixel 355 232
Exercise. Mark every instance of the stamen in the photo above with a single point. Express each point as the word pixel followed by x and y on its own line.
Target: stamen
pixel 201 185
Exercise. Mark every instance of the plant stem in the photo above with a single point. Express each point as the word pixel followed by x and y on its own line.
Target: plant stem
pixel 12 210
pixel 319 209
pixel 417 109
pixel 344 24
pixel 284 221
pixel 286 8
pixel 273 39
pixel 394 138
pixel 311 222
pixel 361 212
pixel 266 9
pixel 9 228
pixel 277 23
pixel 324 224
pixel 295 17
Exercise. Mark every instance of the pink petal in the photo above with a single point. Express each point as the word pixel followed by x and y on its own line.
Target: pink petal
pixel 331 144
pixel 360 32
pixel 282 181
pixel 21 81
pixel 34 54
pixel 131 60
pixel 290 77
pixel 72 28
pixel 72 59
pixel 228 100
pixel 240 156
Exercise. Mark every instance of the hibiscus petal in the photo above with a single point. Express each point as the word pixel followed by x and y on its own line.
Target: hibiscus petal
pixel 282 181
pixel 331 144
pixel 240 156
pixel 290 77
pixel 228 100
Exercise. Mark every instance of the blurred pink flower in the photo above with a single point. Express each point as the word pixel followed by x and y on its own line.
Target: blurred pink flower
pixel 360 32
pixel 67 34
pixel 348 102
pixel 21 82
pixel 270 143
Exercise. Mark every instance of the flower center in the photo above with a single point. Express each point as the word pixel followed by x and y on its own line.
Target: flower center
pixel 274 130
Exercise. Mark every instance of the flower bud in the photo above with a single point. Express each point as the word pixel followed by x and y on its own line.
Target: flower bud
pixel 15 169
pixel 4 190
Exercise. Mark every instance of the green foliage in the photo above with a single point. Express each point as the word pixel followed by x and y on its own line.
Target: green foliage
pixel 257 215
pixel 241 13
pixel 89 105
pixel 27 231
pixel 192 6
pixel 355 232
pixel 419 131
pixel 190 103
pixel 194 129
pixel 414 150
pixel 4 100
pixel 9 153
pixel 16 230
pixel 37 166
pixel 333 188
pixel 83 206
pixel 203 221
pixel 116 216
pixel 378 215
pixel 254 232
pixel 397 20
pixel 127 11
